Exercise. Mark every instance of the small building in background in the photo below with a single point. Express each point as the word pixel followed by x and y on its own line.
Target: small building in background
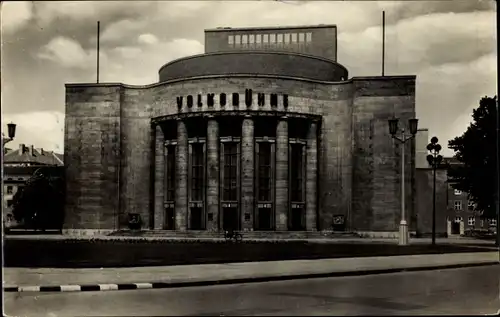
pixel 19 166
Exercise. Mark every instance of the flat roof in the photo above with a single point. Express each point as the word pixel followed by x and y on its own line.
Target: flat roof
pixel 269 28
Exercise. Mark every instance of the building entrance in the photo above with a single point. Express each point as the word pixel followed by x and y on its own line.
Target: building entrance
pixel 455 227
pixel 230 218
pixel 297 223
pixel 264 221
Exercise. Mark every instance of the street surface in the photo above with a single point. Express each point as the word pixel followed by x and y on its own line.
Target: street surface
pixel 452 291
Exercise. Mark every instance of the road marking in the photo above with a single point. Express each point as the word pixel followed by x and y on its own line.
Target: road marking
pixel 144 285
pixel 29 288
pixel 108 287
pixel 70 288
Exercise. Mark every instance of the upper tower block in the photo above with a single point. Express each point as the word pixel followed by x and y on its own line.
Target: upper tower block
pixel 319 40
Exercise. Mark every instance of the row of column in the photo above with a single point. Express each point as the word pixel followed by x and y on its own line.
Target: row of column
pixel 282 203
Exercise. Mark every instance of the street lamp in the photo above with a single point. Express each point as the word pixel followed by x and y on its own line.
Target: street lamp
pixel 11 132
pixel 393 130
pixel 434 160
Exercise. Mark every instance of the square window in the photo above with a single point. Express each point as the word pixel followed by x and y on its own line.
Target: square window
pixel 230 39
pixel 244 39
pixel 457 205
pixel 237 39
pixel 10 189
pixel 265 38
pixel 471 221
pixel 258 38
pixel 251 39
pixel 301 37
pixel 272 38
pixel 493 222
pixel 458 219
pixel 294 37
pixel 280 38
pixel 286 38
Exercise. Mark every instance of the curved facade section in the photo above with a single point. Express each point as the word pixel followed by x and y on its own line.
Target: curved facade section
pixel 258 63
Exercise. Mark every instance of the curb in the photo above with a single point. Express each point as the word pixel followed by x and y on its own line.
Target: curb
pixel 160 285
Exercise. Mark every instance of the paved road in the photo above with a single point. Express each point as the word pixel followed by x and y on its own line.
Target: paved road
pixel 452 291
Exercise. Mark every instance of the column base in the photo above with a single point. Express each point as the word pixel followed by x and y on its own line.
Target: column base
pixel 404 237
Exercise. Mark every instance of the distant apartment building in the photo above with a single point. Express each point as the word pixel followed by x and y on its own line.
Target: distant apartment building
pixel 19 166
pixel 461 214
pixel 455 213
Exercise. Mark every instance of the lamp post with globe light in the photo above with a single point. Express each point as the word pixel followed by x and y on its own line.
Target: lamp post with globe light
pixel 434 160
pixel 402 137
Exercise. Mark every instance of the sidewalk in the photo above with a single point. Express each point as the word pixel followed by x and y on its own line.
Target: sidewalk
pixel 46 279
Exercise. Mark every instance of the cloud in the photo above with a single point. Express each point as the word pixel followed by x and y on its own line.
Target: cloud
pixel 43 129
pixel 69 53
pixel 47 13
pixel 139 66
pixel 15 15
pixel 147 39
pixel 117 30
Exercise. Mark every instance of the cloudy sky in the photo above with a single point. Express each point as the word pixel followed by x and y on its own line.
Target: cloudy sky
pixel 449 45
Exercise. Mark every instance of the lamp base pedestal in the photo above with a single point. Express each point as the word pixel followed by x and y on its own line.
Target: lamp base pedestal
pixel 404 237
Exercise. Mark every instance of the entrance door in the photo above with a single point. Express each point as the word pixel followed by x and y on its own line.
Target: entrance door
pixel 297 219
pixel 264 219
pixel 169 219
pixel 455 227
pixel 196 218
pixel 230 219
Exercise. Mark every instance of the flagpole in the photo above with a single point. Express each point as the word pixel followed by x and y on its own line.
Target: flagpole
pixel 98 35
pixel 383 43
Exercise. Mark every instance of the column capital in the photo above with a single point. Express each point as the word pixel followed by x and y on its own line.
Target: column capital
pixel 247 116
pixel 210 116
pixel 285 117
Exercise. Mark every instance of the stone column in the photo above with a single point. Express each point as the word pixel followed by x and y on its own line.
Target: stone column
pixel 159 182
pixel 247 173
pixel 212 174
pixel 181 174
pixel 282 199
pixel 311 177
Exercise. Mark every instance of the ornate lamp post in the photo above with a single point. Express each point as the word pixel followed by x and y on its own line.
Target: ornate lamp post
pixel 403 138
pixel 434 160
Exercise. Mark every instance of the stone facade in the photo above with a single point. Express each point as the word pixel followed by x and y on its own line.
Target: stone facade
pixel 116 162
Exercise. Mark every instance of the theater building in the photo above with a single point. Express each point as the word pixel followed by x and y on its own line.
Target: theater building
pixel 264 132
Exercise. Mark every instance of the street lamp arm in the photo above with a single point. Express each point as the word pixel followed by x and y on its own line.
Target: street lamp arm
pixel 400 140
pixel 5 140
pixel 408 138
